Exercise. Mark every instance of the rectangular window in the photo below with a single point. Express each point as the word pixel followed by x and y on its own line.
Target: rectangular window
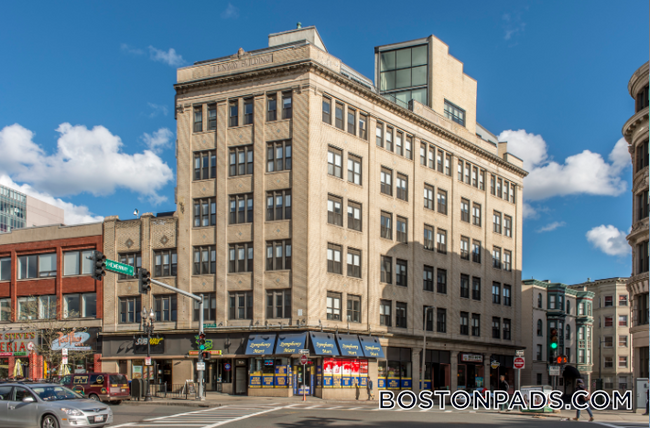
pixel 240 257
pixel 476 251
pixel 481 180
pixel 427 315
pixel 334 162
pixel 507 226
pixel 441 237
pixel 379 134
pixel 442 281
pixel 5 310
pixel 165 263
pixel 608 342
pixel 402 230
pixel 198 119
pixel 386 225
pixel 464 248
pixel 538 357
pixel 131 259
pixel 129 310
pixel 428 237
pixel 460 170
pixel 287 106
pixel 622 320
pixel 507 260
pixel 209 308
pixel 476 325
pixel 609 300
pixel 476 214
pixel 622 362
pixel 354 216
pixel 338 115
pixel 506 329
pixel 431 157
pixel 499 187
pixel 47 307
pixel 464 323
pixel 354 169
pixel 622 341
pixel 278 255
pixel 608 361
pixel 278 156
pixel 439 160
pixel 352 121
pixel 496 220
pixel 327 110
pixel 428 197
pixel 506 295
pixel 205 260
pixel 475 176
pixel 272 108
pixel 496 328
pixel 408 147
pixel 233 113
pixel 464 285
pixel 448 164
pixel 205 165
pixel 400 314
pixel 442 201
pixel 27 267
pixel 427 278
pixel 165 307
pixel 240 306
pixel 476 288
pixel 423 154
pixel 386 269
pixel 240 161
pixel 506 188
pixel 354 263
pixel 454 113
pixel 241 208
pixel 496 293
pixel 248 111
pixel 334 264
pixel 5 269
pixel 622 299
pixel 401 185
pixel 27 308
pixel 464 210
pixel 386 181
pixel 74 263
pixel 385 317
pixel 399 145
pixel 205 212
pixel 401 275
pixel 354 308
pixel 442 320
pixel 389 138
pixel 333 306
pixel 334 210
pixel 493 181
pixel 363 126
pixel 278 205
pixel 496 257
pixel 278 304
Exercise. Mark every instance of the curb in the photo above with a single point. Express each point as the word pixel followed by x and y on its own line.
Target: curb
pixel 184 403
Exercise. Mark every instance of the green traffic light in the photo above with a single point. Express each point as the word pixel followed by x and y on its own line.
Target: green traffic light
pixel 202 347
pixel 553 345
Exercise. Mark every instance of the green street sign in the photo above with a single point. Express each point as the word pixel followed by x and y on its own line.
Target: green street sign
pixel 116 267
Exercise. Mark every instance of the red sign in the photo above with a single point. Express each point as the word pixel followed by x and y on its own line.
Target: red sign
pixel 303 359
pixel 519 362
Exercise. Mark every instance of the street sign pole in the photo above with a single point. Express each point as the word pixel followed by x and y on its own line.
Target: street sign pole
pixel 303 361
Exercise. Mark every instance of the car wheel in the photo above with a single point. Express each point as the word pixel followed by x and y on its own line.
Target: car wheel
pixel 49 421
pixel 94 397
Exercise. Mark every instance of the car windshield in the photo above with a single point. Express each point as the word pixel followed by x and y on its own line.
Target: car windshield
pixel 55 393
pixel 119 379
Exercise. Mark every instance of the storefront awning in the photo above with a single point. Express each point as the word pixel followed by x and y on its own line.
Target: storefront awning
pixel 324 344
pixel 260 344
pixel 290 343
pixel 349 345
pixel 371 347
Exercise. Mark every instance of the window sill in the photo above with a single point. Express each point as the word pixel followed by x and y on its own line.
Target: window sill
pixel 234 176
pixel 203 227
pixel 248 125
pixel 277 270
pixel 77 276
pixel 36 279
pixel 277 172
pixel 209 131
pixel 165 277
pixel 203 179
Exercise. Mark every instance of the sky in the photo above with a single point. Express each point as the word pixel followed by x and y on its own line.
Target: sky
pixel 87 100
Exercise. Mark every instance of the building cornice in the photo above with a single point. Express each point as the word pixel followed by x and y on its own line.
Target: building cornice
pixel 638 119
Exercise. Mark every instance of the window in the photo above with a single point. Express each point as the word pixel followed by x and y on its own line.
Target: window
pixel 408 147
pixel 46 307
pixel 476 288
pixel 507 262
pixel 622 341
pixel 468 167
pixel 493 181
pixel 427 314
pixel 442 320
pixel 608 361
pixel 464 285
pixel 233 113
pixel 354 215
pixel 165 307
pixel 401 275
pixel 540 328
pixel 506 295
pixel 272 108
pixel 476 251
pixel 496 328
pixel 278 156
pixel 454 113
pixel 287 106
pixel 5 310
pixel 278 304
pixel 379 133
pixel 402 230
pixel 539 300
pixel 385 313
pixel 496 293
pixel 568 332
pixel 464 210
pixel 428 197
pixel 496 257
pixel 476 214
pixel 609 301
pixel 642 205
pixel 423 154
pixel 278 255
pixel 568 306
pixel 481 180
pixel 428 237
pixel 386 225
pixel 129 310
pixel 354 263
pixel 642 254
pixel 209 308
pixel 622 383
pixel 354 169
pixel 464 248
pixel 205 212
pixel 334 210
pixel 386 181
pixel 334 162
pixel 442 201
pixel 402 187
pixel 622 320
pixel 464 323
pixel 351 121
pixel 240 257
pixel 441 237
pixel 442 281
pixel 567 351
pixel 507 226
pixel 165 262
pixel 475 176
pixel 476 325
pixel 5 269
pixel 363 126
pixel 74 263
pixel 37 266
pixel 622 299
pixel 205 260
pixel 389 138
pixel 241 161
pixel 387 269
pixel 609 342
pixel 499 187
pixel 439 157
pixel 334 258
pixel 399 147
pixel 205 165
pixel 460 170
pixel 131 259
pixel 241 209
pixel 538 357
pixel 622 362
pixel 506 329
pixel 198 119
pixel 240 305
pixel 278 205
pixel 248 111
pixel 609 322
pixel 354 308
pixel 400 315
pixel 496 219
pixel 427 278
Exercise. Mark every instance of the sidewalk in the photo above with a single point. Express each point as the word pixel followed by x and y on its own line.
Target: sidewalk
pixel 215 399
pixel 599 415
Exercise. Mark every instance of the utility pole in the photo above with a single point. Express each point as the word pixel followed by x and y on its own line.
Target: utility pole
pixel 424 348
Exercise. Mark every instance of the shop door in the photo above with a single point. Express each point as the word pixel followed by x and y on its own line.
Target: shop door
pixel 306 375
pixel 241 378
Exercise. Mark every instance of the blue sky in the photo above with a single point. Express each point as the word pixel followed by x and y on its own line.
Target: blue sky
pixel 86 98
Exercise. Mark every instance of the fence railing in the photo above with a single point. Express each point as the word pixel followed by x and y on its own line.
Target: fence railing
pixel 183 391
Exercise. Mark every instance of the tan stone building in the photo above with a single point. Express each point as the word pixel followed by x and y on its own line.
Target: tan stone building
pixel 635 132
pixel 317 211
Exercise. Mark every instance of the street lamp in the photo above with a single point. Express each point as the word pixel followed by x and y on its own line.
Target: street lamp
pixel 147 328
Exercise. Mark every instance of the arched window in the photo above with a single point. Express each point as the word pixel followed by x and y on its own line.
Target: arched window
pixel 539 300
pixel 568 332
pixel 568 306
pixel 540 329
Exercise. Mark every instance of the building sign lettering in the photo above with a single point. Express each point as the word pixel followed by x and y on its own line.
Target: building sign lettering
pixel 17 342
pixel 241 63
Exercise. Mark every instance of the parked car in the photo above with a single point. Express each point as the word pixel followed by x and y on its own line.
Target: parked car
pixel 48 405
pixel 111 387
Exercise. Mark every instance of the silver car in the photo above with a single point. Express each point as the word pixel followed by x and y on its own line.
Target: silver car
pixel 46 405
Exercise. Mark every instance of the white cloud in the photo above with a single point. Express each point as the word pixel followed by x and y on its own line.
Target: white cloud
pixel 73 214
pixel 583 173
pixel 609 240
pixel 551 226
pixel 230 12
pixel 169 57
pixel 157 109
pixel 620 156
pixel 130 49
pixel 160 140
pixel 512 25
pixel 530 211
pixel 86 160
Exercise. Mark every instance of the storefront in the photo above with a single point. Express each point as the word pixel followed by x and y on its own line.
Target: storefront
pixel 471 371
pixel 437 370
pixel 501 365
pixel 395 371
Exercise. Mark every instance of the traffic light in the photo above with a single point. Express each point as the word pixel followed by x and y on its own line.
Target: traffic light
pixel 206 355
pixel 554 339
pixel 144 281
pixel 201 342
pixel 561 359
pixel 99 264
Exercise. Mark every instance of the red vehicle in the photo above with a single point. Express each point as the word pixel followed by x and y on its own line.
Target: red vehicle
pixel 113 387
